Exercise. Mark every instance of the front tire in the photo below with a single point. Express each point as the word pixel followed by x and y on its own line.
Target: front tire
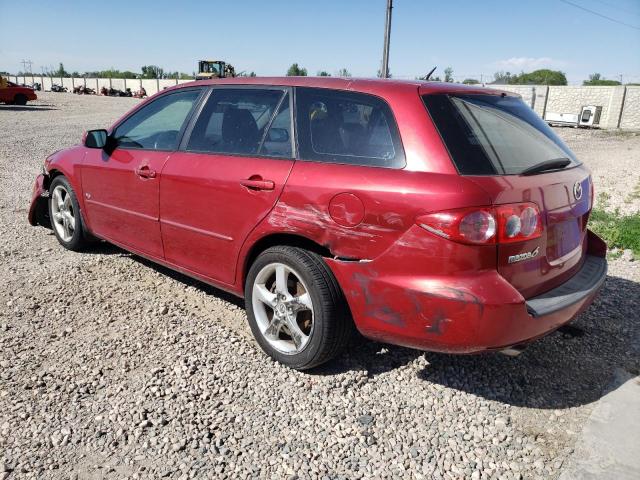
pixel 20 99
pixel 64 213
pixel 296 310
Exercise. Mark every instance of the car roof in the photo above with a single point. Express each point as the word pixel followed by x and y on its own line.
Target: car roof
pixel 355 84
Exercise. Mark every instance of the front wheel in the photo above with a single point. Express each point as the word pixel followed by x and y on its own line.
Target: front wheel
pixel 64 213
pixel 20 99
pixel 296 310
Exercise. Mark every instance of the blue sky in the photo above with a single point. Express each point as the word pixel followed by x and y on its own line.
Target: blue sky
pixel 473 37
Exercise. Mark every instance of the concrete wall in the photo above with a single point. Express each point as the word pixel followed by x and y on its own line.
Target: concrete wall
pixel 572 99
pixel 117 83
pixel 532 95
pixel 620 104
pixel 103 83
pixel 46 83
pixel 631 110
pixel 151 86
pixel 166 83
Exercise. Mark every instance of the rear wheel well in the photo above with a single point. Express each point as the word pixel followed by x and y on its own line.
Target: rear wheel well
pixel 282 239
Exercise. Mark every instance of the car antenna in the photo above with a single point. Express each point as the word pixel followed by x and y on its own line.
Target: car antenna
pixel 430 73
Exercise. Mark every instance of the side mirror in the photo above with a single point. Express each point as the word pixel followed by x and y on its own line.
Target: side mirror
pixel 278 135
pixel 95 139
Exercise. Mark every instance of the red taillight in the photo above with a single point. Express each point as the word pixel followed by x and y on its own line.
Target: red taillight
pixel 518 222
pixel 500 224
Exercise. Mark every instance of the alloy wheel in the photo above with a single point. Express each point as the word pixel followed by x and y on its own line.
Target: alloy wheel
pixel 283 308
pixel 64 220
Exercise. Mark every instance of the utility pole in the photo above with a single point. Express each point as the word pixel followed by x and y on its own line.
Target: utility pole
pixel 384 71
pixel 24 66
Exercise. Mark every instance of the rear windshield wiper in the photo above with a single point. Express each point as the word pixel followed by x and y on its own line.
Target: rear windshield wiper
pixel 554 164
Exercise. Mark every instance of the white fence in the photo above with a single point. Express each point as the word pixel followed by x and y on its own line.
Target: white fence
pixel 620 104
pixel 150 85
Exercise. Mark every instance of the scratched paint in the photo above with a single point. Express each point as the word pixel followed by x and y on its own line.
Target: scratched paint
pixel 316 223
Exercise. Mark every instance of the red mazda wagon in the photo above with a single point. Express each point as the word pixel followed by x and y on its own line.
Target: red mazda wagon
pixel 436 216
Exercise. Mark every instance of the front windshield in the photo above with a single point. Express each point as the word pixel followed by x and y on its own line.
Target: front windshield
pixel 494 134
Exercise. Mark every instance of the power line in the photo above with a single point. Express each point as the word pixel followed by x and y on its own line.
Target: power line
pixel 599 14
pixel 617 7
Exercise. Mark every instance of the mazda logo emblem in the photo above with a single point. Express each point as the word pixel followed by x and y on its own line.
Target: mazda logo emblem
pixel 577 190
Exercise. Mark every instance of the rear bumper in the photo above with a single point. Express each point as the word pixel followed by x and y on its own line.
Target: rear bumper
pixel 468 312
pixel 583 284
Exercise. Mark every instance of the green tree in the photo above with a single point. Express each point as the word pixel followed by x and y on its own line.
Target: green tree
pixel 112 73
pixel 448 74
pixel 540 77
pixel 296 71
pixel 323 73
pixel 343 72
pixel 178 75
pixel 597 79
pixel 152 71
pixel 502 78
pixel 470 81
pixel 61 72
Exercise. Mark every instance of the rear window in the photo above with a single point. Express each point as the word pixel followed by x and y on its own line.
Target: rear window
pixel 493 134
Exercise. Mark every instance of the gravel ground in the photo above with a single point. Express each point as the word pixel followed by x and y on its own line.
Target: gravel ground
pixel 613 158
pixel 111 367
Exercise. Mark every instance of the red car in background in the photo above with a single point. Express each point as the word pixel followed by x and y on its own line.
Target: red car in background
pixel 14 94
pixel 435 216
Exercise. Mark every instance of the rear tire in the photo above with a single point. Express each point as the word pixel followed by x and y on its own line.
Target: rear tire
pixel 20 99
pixel 64 212
pixel 300 317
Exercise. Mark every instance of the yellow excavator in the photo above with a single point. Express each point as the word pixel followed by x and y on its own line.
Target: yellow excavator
pixel 208 69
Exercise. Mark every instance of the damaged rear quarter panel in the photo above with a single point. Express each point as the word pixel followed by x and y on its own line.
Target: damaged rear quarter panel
pixel 392 200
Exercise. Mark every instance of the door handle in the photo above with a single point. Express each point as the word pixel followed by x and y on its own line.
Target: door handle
pixel 258 184
pixel 145 172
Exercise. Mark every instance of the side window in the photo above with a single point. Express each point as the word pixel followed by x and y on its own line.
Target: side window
pixel 157 126
pixel 235 120
pixel 277 141
pixel 346 127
